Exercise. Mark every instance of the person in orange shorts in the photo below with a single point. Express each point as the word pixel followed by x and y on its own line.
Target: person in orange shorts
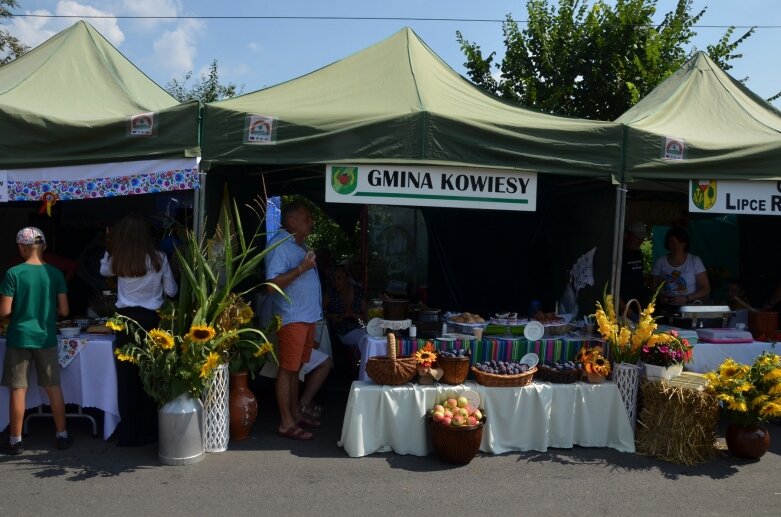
pixel 291 267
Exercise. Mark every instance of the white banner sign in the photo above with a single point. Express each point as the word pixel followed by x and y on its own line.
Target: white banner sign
pixel 735 197
pixel 492 189
pixel 3 186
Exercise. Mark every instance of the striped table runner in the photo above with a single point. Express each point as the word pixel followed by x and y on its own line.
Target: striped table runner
pixel 508 349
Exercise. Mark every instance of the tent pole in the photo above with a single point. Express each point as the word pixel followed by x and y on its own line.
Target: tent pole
pixel 618 243
pixel 199 212
pixel 365 248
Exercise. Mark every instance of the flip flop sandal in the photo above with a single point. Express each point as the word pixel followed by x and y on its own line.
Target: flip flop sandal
pixel 308 423
pixel 296 433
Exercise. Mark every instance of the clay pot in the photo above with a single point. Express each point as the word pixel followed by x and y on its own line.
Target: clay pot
pixel 243 406
pixel 749 442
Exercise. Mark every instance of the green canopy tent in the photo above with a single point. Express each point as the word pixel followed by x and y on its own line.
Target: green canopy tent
pixel 726 131
pixel 699 124
pixel 80 121
pixel 398 104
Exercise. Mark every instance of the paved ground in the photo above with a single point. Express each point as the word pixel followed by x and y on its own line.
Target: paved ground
pixel 268 475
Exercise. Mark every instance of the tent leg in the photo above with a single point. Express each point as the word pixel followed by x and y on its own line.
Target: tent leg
pixel 618 243
pixel 199 211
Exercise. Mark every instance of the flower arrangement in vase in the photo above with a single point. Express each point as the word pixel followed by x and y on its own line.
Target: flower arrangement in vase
pixel 209 324
pixel 625 338
pixel 668 352
pixel 594 363
pixel 750 396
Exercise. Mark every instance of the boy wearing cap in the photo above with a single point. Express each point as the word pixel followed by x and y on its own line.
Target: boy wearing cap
pixel 33 294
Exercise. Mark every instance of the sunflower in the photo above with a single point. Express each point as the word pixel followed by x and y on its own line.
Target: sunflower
pixel 426 355
pixel 593 361
pixel 200 333
pixel 124 357
pixel 162 339
pixel 115 325
pixel 263 349
pixel 210 364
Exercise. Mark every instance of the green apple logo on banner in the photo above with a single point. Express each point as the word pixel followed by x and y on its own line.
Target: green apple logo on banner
pixel 344 180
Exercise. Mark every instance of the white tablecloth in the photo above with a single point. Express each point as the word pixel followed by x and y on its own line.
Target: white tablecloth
pixel 708 356
pixel 535 417
pixel 90 380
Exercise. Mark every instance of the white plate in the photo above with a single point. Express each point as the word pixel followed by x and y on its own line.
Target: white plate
pixel 531 359
pixel 533 330
pixel 374 328
pixel 472 397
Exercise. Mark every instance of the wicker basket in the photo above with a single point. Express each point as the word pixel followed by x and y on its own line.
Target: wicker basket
pixel 456 444
pixel 384 370
pixel 504 381
pixel 559 376
pixel 454 369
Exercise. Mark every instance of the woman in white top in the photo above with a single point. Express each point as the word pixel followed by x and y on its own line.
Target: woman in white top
pixel 682 274
pixel 143 277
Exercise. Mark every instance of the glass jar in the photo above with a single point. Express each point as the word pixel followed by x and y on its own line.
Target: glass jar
pixel 374 310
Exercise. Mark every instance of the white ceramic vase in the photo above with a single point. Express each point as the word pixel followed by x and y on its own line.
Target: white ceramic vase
pixel 658 373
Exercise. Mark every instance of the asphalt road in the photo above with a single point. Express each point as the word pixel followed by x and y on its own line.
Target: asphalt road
pixel 269 475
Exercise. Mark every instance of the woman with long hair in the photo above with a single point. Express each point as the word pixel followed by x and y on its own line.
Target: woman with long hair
pixel 143 278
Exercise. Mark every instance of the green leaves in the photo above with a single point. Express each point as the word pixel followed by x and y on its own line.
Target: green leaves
pixel 591 62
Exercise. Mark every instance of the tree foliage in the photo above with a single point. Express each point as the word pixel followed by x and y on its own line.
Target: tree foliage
pixel 10 47
pixel 591 61
pixel 205 89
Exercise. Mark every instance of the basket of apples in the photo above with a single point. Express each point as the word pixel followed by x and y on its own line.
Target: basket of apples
pixel 456 425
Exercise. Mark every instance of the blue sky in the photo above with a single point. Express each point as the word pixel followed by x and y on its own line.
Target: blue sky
pixel 257 53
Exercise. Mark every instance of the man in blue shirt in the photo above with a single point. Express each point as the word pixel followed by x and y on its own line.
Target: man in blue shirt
pixel 291 267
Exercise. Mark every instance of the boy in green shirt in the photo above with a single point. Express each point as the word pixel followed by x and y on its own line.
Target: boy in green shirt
pixel 33 293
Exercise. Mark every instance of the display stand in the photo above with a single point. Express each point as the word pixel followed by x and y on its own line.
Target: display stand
pixel 627 379
pixel 215 408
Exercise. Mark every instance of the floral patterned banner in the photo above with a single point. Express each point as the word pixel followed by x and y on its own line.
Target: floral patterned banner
pixel 131 184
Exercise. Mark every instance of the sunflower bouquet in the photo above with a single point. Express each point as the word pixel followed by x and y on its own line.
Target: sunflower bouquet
pixel 750 395
pixel 594 363
pixel 426 359
pixel 210 323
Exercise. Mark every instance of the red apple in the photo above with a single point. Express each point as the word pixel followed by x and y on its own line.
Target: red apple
pixel 446 421
pixel 471 420
pixel 344 179
pixel 448 413
pixel 439 408
pixel 451 403
pixel 462 402
pixel 438 416
pixel 478 415
pixel 463 413
pixel 458 420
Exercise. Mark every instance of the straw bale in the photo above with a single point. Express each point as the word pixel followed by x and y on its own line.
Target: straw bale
pixel 677 424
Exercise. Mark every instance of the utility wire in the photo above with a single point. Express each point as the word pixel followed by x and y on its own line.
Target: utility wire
pixel 327 18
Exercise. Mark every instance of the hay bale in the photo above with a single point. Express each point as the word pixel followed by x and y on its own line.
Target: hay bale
pixel 677 424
